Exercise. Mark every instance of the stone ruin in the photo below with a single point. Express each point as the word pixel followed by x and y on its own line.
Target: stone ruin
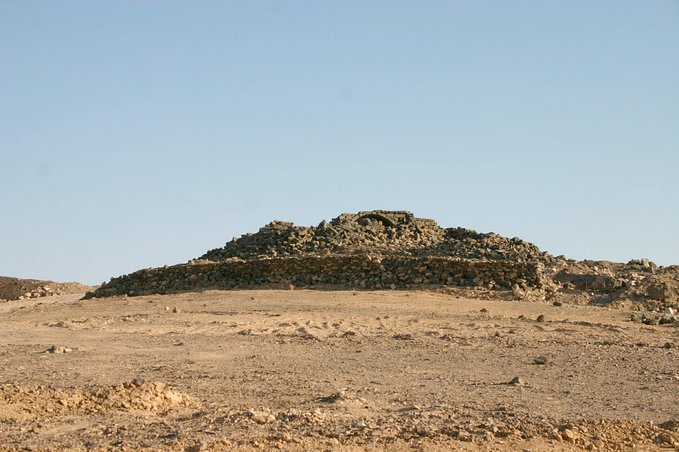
pixel 395 250
pixel 376 232
pixel 366 250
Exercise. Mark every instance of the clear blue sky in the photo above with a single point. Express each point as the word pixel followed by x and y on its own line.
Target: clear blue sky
pixel 142 133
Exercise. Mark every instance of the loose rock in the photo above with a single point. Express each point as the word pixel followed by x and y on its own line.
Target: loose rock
pixel 518 381
pixel 540 360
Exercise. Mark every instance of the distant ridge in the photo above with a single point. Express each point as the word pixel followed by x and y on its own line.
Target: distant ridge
pixel 23 289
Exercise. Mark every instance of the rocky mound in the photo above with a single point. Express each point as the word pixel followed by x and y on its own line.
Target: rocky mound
pixel 22 289
pixel 376 232
pixel 602 282
pixel 368 250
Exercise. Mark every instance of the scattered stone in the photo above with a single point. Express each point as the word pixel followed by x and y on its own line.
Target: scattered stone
pixel 647 319
pixel 176 310
pixel 568 435
pixel 672 425
pixel 59 349
pixel 284 437
pixel 39 400
pixel 664 319
pixel 659 291
pixel 198 447
pixel 464 435
pixel 667 319
pixel 540 360
pixel 263 418
pixel 332 398
pixel 540 318
pixel 359 424
pixel 668 345
pixel 403 336
pixel 664 438
pixel 518 381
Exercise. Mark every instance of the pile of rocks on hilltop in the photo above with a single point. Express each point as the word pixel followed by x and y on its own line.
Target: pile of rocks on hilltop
pixel 377 233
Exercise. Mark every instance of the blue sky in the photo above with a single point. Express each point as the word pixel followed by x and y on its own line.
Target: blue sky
pixel 136 134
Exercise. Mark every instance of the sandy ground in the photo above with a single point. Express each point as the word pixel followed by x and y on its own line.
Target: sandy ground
pixel 322 370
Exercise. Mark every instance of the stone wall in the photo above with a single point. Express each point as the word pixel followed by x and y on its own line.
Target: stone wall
pixel 335 271
pixel 390 217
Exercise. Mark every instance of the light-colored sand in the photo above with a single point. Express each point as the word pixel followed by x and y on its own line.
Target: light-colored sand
pixel 310 370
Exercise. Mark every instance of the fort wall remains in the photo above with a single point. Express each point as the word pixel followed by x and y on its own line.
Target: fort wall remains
pixel 345 272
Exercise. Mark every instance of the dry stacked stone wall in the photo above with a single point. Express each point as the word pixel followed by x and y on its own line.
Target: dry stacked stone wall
pixel 366 250
pixel 348 272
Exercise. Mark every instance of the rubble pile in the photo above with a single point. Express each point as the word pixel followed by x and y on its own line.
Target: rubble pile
pixel 376 233
pixel 639 284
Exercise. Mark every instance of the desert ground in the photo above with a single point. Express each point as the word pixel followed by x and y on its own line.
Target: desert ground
pixel 333 370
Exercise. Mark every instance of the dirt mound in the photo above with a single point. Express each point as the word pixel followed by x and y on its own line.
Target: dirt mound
pixel 22 289
pixel 639 282
pixel 378 233
pixel 136 395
